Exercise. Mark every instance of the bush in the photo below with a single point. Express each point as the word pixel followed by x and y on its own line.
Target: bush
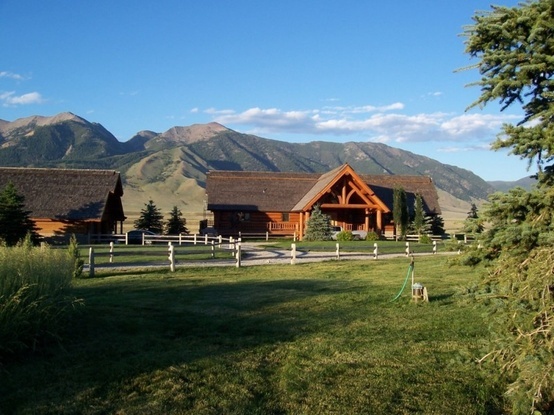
pixel 34 288
pixel 345 236
pixel 425 239
pixel 372 236
pixel 75 254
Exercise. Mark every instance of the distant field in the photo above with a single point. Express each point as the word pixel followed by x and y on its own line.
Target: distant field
pixel 321 338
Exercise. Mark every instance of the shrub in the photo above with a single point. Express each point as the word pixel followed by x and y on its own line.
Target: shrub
pixel 34 295
pixel 75 254
pixel 345 236
pixel 372 236
pixel 425 239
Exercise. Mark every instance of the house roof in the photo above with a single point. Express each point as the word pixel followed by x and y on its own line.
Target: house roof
pixel 384 184
pixel 289 192
pixel 67 194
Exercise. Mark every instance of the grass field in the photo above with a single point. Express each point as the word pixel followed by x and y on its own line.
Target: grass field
pixel 320 338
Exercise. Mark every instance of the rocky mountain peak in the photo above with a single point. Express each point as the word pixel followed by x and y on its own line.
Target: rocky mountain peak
pixel 193 133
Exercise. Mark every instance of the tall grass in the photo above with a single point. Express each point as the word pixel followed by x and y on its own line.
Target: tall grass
pixel 34 296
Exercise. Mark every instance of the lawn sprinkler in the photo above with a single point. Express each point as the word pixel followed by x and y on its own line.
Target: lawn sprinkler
pixel 419 292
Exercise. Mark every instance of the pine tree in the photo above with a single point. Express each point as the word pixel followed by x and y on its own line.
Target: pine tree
pixel 318 227
pixel 419 215
pixel 15 222
pixel 473 224
pixel 176 224
pixel 150 219
pixel 514 48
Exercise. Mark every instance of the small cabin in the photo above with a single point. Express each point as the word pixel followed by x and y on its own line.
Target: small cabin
pixel 62 202
pixel 280 203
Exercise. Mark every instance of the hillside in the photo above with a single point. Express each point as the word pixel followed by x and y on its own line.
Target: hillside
pixel 170 167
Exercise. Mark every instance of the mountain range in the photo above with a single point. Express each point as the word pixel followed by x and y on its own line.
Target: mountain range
pixel 170 167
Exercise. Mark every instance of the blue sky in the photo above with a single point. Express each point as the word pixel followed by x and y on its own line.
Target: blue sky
pixel 297 71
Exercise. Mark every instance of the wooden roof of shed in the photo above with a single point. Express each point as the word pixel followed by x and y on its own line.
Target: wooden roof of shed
pixel 67 194
pixel 289 192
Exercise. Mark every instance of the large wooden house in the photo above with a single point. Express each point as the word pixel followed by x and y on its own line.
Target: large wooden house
pixel 281 203
pixel 65 201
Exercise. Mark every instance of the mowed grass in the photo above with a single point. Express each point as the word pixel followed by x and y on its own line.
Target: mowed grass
pixel 320 338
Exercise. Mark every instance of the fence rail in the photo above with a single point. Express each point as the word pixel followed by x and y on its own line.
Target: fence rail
pixel 230 252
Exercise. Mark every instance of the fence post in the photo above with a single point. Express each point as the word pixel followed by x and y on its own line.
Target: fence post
pixel 171 256
pixel 213 249
pixel 238 255
pixel 91 262
pixel 375 251
pixel 111 252
pixel 338 251
pixel 194 239
pixel 293 254
pixel 206 239
pixel 127 238
pixel 434 247
pixel 407 249
pixel 180 238
pixel 266 236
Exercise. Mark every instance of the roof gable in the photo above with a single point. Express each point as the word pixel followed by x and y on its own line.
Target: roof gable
pixel 68 194
pixel 289 192
pixel 328 181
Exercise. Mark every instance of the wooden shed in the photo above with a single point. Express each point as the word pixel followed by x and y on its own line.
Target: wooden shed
pixel 281 203
pixel 65 201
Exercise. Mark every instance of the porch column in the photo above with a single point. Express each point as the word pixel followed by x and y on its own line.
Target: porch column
pixel 366 223
pixel 379 224
pixel 301 226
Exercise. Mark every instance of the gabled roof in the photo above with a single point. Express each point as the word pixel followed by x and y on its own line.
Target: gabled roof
pixel 289 192
pixel 261 191
pixel 384 184
pixel 67 194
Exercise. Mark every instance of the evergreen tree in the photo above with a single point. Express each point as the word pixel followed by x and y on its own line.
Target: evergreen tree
pixel 150 219
pixel 419 215
pixel 473 224
pixel 400 212
pixel 318 227
pixel 176 224
pixel 514 47
pixel 435 224
pixel 15 223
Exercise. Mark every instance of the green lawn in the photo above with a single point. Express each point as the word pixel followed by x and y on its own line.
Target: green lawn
pixel 320 338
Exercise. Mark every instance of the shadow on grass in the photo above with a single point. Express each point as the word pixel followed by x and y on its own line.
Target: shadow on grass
pixel 140 325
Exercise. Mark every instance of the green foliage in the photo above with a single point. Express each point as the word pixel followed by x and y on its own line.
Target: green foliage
pixel 34 295
pixel 75 253
pixel 176 224
pixel 435 224
pixel 425 239
pixel 514 47
pixel 15 222
pixel 345 236
pixel 419 215
pixel 372 236
pixel 150 218
pixel 318 227
pixel 473 224
pixel 400 212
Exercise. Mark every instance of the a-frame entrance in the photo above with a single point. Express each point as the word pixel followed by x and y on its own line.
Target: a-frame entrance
pixel 348 200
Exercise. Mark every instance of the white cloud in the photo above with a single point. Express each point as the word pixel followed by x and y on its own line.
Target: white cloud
pixel 385 123
pixel 11 75
pixel 10 99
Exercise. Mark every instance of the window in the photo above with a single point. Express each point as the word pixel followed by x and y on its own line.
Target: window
pixel 285 217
